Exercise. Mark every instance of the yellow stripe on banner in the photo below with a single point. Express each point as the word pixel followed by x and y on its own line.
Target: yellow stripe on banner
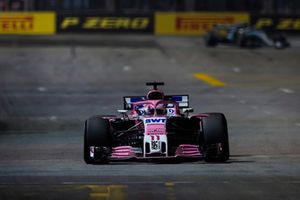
pixel 28 23
pixel 209 79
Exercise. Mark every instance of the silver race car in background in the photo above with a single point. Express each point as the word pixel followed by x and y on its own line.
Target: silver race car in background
pixel 243 35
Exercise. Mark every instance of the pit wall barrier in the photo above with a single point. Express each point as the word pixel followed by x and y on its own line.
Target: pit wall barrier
pixel 288 24
pixel 159 23
pixel 104 23
pixel 194 23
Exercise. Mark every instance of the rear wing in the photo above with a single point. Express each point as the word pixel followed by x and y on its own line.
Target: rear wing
pixel 129 100
pixel 182 100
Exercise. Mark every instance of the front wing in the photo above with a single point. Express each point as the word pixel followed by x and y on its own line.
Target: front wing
pixel 121 153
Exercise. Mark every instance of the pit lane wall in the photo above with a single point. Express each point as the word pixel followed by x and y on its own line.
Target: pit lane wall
pixel 284 23
pixel 194 23
pixel 104 23
pixel 158 23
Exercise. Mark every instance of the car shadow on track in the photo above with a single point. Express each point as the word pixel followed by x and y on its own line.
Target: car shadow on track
pixel 241 159
pixel 233 159
pixel 3 126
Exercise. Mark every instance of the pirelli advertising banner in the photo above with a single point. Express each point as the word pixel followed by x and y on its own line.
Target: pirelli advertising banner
pixel 289 24
pixel 28 23
pixel 194 23
pixel 105 23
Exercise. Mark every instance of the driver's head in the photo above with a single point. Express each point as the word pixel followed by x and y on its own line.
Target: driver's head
pixel 160 109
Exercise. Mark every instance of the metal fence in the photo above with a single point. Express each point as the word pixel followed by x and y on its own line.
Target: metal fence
pixel 282 7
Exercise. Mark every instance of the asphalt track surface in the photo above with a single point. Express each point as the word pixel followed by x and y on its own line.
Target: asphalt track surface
pixel 49 86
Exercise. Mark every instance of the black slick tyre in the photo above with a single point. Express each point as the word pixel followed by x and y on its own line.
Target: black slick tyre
pixel 215 138
pixel 210 40
pixel 96 134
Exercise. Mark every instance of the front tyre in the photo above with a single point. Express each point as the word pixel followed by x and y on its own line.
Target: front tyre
pixel 97 142
pixel 210 40
pixel 278 44
pixel 215 138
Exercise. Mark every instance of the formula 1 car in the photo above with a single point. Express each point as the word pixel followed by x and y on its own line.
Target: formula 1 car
pixel 244 35
pixel 152 127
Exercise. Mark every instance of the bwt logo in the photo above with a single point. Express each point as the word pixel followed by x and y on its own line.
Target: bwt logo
pixel 155 121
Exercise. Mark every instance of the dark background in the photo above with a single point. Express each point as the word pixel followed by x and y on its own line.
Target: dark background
pixel 285 7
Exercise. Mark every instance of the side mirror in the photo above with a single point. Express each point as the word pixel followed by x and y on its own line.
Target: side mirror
pixel 123 113
pixel 186 111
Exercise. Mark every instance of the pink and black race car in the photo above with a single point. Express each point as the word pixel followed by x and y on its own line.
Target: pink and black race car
pixel 154 127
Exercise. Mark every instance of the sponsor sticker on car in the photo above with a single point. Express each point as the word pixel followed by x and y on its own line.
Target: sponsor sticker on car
pixel 155 121
pixel 155 125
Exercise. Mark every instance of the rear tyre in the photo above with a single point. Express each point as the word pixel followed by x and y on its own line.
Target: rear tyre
pixel 210 40
pixel 215 138
pixel 97 135
pixel 280 41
